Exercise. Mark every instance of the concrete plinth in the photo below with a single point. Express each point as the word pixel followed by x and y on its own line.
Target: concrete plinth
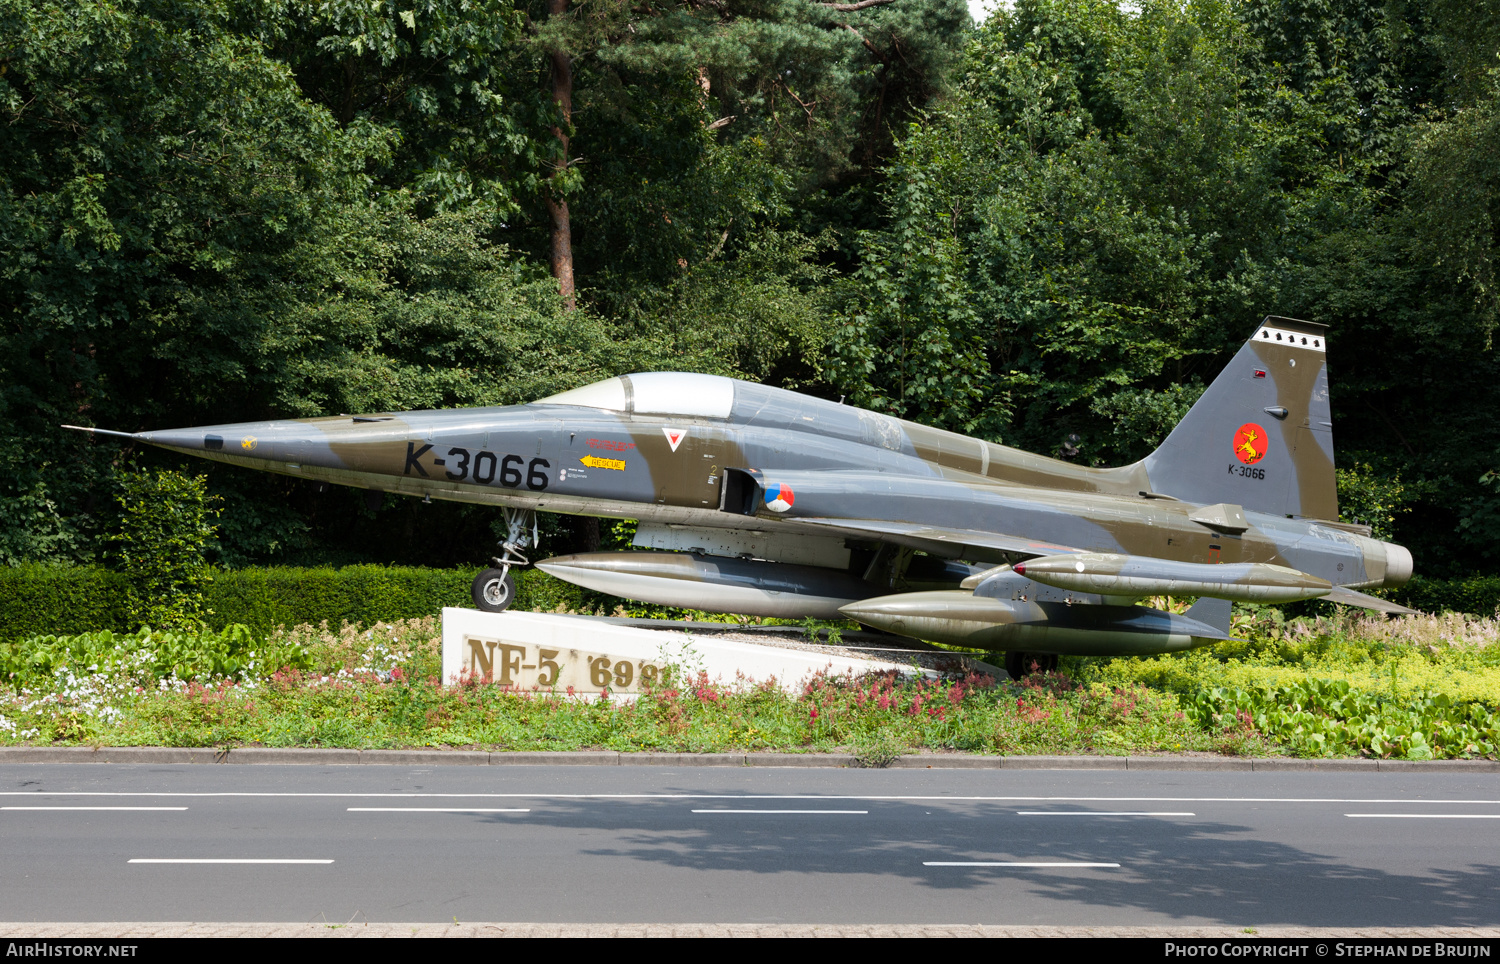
pixel 583 657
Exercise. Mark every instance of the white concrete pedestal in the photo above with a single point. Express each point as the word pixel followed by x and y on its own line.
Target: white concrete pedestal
pixel 579 656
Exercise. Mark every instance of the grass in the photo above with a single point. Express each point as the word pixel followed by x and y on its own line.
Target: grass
pixel 1413 688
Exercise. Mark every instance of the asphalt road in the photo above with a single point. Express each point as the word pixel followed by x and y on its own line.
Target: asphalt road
pixel 98 842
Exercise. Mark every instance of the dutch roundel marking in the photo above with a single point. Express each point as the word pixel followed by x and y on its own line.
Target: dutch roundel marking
pixel 779 497
pixel 674 436
pixel 1250 443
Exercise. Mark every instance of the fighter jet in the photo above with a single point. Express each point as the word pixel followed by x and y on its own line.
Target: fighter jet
pixel 765 502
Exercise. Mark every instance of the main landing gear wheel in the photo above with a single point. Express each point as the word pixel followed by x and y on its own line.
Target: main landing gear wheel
pixel 494 590
pixel 1019 665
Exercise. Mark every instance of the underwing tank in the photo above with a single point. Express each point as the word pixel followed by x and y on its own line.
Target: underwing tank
pixel 1114 574
pixel 1025 625
pixel 692 580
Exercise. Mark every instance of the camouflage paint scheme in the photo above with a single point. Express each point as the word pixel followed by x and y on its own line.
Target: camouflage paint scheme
pixel 1238 502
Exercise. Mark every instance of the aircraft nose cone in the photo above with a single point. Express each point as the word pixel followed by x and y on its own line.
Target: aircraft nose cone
pixel 214 438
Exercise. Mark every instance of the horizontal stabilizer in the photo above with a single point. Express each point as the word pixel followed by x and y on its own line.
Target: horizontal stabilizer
pixel 1216 613
pixel 1349 597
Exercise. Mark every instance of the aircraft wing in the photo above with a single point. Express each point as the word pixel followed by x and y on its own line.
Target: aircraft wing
pixel 940 541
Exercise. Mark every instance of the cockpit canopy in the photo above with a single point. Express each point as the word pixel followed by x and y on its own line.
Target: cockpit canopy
pixel 655 393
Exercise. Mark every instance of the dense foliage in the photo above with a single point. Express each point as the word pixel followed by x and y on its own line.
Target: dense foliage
pixel 1060 223
pixel 1418 688
pixel 1112 199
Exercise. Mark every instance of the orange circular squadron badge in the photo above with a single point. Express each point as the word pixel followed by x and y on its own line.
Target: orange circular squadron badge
pixel 1250 443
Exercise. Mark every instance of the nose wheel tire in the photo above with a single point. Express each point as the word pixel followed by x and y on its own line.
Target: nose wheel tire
pixel 494 590
pixel 1020 665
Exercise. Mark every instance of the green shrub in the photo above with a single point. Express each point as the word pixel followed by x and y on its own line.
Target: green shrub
pixel 234 652
pixel 1477 595
pixel 1323 717
pixel 165 532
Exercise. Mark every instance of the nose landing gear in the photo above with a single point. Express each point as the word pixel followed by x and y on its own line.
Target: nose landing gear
pixel 495 589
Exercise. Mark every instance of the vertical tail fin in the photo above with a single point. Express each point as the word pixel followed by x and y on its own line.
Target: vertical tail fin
pixel 1262 435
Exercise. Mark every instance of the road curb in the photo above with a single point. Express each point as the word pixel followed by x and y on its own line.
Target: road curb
pixel 159 754
pixel 425 757
pixel 914 761
pixel 1057 762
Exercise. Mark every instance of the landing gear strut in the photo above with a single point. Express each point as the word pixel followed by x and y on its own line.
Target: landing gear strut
pixel 1020 665
pixel 495 589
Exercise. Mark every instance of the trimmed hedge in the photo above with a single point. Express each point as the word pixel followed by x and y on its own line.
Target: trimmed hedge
pixel 60 601
pixel 40 600
pixel 1478 595
pixel 265 598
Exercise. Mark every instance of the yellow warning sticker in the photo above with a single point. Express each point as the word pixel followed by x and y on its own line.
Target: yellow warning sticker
pixel 594 462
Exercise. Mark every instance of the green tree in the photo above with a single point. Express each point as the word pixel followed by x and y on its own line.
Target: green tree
pixel 445 79
pixel 1112 199
pixel 187 237
pixel 681 127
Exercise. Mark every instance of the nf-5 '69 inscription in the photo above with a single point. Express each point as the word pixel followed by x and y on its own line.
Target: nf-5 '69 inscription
pixel 529 666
